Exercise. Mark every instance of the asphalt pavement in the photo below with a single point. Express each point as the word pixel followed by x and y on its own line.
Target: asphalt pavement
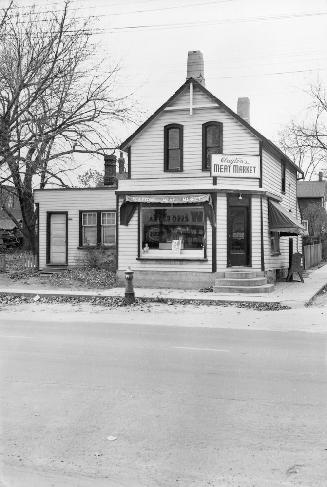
pixel 113 404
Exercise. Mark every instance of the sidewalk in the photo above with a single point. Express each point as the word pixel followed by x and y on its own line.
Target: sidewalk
pixel 293 294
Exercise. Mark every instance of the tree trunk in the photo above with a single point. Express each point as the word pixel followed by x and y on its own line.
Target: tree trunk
pixel 29 219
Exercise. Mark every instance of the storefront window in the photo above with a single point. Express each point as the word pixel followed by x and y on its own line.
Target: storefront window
pixel 173 231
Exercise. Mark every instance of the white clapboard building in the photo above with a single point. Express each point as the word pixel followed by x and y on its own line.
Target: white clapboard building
pixel 207 200
pixel 206 194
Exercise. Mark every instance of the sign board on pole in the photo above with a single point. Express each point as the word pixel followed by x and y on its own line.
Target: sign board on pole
pixel 235 166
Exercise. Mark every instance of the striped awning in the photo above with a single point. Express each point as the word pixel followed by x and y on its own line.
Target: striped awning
pixel 283 221
pixel 130 203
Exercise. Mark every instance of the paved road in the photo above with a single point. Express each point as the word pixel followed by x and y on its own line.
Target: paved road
pixel 96 404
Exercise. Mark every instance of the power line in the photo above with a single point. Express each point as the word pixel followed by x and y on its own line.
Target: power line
pixel 188 5
pixel 217 22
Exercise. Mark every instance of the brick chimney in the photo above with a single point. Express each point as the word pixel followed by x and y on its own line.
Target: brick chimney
pixel 110 170
pixel 243 108
pixel 321 175
pixel 195 66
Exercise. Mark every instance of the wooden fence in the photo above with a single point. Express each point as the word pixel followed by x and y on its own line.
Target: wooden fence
pixel 312 255
pixel 17 261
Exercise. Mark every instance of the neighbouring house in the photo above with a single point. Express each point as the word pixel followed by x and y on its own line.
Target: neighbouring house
pixel 205 194
pixel 71 221
pixel 312 198
pixel 9 234
pixel 312 192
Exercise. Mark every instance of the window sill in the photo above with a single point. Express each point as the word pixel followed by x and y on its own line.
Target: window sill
pixel 96 247
pixel 274 254
pixel 173 259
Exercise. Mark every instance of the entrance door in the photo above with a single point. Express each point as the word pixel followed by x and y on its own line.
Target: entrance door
pixel 57 238
pixel 238 236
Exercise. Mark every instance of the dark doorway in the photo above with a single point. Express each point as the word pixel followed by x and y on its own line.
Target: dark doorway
pixel 238 217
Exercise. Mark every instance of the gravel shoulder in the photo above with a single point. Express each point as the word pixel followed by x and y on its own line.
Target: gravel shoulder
pixel 312 320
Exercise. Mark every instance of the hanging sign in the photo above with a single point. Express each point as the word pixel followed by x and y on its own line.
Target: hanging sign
pixel 235 166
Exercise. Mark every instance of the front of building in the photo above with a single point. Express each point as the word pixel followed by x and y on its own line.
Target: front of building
pixel 180 224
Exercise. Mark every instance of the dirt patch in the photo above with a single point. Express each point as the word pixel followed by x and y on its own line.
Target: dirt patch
pixel 120 301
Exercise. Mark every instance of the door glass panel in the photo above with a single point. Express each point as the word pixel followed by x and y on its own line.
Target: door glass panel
pixel 238 231
pixel 238 236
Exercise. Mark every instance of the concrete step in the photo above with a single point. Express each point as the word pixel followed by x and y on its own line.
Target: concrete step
pixel 243 274
pixel 53 270
pixel 266 288
pixel 248 282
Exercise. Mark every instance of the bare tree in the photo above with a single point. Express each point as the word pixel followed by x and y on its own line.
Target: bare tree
pixel 4 14
pixel 306 142
pixel 90 178
pixel 317 220
pixel 53 102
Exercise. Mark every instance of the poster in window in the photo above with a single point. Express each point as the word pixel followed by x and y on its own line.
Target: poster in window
pixel 176 246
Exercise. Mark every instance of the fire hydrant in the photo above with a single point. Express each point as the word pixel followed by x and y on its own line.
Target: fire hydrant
pixel 129 290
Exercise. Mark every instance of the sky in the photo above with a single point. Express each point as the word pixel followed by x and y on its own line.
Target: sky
pixel 270 51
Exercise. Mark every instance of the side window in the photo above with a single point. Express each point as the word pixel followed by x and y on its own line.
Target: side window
pixel 274 243
pixel 108 228
pixel 212 142
pixel 97 228
pixel 173 148
pixel 283 177
pixel 89 228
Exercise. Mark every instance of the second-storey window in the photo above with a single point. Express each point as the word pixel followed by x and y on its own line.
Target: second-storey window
pixel 283 177
pixel 212 142
pixel 173 147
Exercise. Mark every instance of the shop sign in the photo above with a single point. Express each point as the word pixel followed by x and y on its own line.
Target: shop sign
pixel 169 198
pixel 235 166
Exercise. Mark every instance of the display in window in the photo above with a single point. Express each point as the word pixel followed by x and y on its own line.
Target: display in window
pixel 174 229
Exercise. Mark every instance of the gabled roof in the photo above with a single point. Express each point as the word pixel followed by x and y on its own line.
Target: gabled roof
pixel 267 144
pixel 311 189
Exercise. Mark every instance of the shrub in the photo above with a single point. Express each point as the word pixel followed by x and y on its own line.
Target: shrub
pixel 99 258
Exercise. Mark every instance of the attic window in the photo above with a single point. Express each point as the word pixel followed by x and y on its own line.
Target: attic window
pixel 212 142
pixel 173 148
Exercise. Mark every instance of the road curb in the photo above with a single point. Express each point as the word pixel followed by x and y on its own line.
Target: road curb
pixel 152 299
pixel 310 301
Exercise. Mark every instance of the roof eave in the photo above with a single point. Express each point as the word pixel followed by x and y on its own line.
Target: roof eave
pixel 267 143
pixel 124 145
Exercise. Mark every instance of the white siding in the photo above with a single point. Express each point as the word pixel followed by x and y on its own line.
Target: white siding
pixel 271 173
pixel 221 232
pixel 147 151
pixel 272 183
pixel 184 184
pixel 71 201
pixel 256 232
